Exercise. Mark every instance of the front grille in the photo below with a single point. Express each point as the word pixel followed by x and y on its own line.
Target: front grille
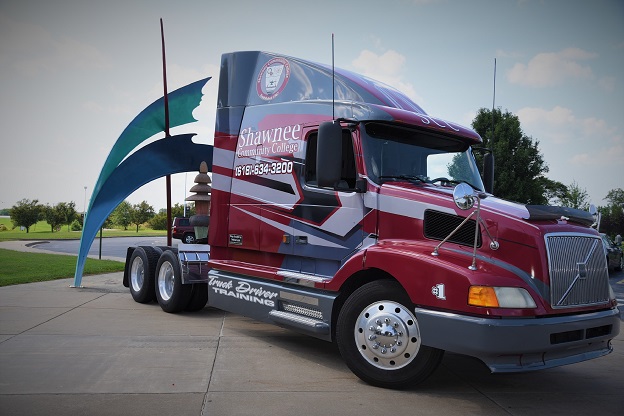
pixel 438 225
pixel 578 272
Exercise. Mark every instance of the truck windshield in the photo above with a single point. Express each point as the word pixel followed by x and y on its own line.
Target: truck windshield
pixel 396 153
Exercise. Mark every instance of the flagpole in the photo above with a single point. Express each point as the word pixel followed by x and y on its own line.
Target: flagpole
pixel 166 102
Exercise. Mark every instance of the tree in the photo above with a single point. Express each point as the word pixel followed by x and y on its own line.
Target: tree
pixel 68 211
pixel 25 213
pixel 53 216
pixel 554 191
pixel 62 213
pixel 616 197
pixel 575 197
pixel 520 167
pixel 122 215
pixel 612 221
pixel 141 213
pixel 158 221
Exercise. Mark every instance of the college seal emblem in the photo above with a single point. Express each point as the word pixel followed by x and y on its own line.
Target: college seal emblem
pixel 272 78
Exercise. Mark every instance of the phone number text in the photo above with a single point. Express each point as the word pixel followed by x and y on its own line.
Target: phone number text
pixel 266 168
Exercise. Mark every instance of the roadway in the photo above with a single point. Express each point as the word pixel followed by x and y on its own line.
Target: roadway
pixel 93 350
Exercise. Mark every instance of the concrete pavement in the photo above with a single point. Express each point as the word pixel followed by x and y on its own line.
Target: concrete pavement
pixel 93 350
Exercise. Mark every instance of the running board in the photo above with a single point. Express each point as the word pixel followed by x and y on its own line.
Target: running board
pixel 295 307
pixel 301 323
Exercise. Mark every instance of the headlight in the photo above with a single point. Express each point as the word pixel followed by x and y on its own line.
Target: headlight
pixel 500 297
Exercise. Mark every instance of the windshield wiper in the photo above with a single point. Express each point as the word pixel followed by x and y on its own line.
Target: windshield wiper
pixel 454 182
pixel 404 178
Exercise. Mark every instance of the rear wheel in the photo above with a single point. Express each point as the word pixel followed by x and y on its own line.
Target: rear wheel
pixel 199 297
pixel 142 267
pixel 171 294
pixel 379 338
pixel 189 238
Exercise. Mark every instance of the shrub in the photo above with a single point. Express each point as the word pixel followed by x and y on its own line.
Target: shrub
pixel 158 221
pixel 75 226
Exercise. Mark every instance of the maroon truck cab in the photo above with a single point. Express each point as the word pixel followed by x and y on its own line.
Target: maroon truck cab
pixel 340 209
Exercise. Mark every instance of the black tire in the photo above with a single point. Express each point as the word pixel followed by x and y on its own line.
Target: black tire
pixel 142 270
pixel 199 297
pixel 171 294
pixel 189 238
pixel 379 339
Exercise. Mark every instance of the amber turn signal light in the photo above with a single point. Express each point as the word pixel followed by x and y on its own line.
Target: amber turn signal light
pixel 482 296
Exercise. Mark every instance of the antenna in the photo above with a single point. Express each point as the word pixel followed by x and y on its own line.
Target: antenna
pixel 493 101
pixel 333 81
pixel 166 103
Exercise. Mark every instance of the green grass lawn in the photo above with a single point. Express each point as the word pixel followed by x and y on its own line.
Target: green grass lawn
pixel 42 231
pixel 18 267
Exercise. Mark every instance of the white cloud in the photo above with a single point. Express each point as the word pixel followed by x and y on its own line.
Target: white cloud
pixel 586 149
pixel 387 68
pixel 562 127
pixel 552 68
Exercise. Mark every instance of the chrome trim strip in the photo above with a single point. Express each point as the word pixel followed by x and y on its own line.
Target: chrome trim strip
pixel 295 277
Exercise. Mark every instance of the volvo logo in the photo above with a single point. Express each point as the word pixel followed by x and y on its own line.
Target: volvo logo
pixel 581 270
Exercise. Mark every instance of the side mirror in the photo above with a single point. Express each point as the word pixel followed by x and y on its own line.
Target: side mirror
pixel 597 217
pixel 328 154
pixel 463 195
pixel 488 172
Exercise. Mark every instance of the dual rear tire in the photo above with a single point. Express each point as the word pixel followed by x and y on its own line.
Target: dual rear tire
pixel 155 274
pixel 142 268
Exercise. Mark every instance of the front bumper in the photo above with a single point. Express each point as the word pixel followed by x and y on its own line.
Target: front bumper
pixel 521 344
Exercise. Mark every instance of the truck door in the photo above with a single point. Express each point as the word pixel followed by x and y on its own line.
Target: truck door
pixel 329 225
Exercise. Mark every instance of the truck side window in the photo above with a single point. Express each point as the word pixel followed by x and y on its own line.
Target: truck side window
pixel 348 173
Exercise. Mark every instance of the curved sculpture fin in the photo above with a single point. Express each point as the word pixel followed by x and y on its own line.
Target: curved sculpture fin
pixel 149 122
pixel 163 157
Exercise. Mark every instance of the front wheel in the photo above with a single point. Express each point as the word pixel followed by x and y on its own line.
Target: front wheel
pixel 171 294
pixel 379 338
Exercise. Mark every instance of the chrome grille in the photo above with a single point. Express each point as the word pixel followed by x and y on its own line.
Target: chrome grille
pixel 578 272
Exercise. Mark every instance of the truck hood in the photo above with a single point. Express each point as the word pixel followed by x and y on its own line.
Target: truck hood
pixel 537 212
pixel 508 220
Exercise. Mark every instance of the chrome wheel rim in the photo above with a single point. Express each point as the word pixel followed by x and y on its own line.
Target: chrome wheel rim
pixel 137 274
pixel 387 335
pixel 166 279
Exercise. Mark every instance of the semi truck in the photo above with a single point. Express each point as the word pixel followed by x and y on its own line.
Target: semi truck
pixel 340 209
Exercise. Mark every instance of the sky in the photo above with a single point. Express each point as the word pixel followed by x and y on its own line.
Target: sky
pixel 73 75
